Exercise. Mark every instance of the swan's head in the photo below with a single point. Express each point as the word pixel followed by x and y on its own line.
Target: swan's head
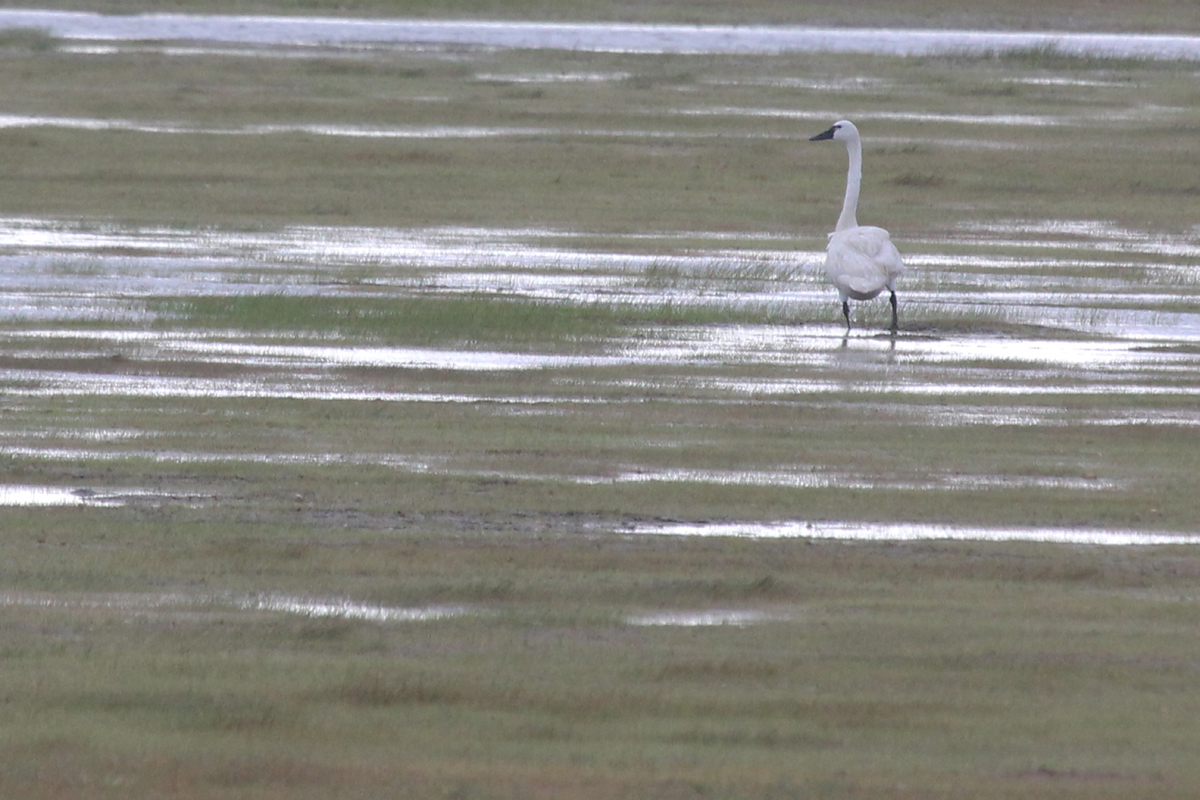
pixel 843 131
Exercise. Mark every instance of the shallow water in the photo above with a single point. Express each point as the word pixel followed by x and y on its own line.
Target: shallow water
pixel 349 609
pixel 224 604
pixel 896 532
pixel 193 606
pixel 1124 341
pixel 1116 344
pixel 32 496
pixel 599 37
pixel 738 618
pixel 349 131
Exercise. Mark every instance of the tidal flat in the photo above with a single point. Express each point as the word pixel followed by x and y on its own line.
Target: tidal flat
pixel 473 422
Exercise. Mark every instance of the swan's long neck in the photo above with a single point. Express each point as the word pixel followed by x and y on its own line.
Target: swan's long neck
pixel 849 218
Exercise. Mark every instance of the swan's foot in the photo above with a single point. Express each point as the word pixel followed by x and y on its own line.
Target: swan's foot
pixel 895 317
pixel 846 313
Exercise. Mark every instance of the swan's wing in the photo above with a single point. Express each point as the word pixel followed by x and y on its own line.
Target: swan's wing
pixel 862 261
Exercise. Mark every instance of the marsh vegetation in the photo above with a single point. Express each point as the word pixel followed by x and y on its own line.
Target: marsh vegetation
pixel 345 392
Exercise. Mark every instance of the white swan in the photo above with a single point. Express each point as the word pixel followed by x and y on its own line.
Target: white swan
pixel 861 260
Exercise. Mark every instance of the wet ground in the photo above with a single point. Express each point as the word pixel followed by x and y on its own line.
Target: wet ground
pixel 1035 327
pixel 398 393
pixel 1116 344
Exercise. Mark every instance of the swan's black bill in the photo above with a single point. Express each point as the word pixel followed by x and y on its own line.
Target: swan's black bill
pixel 826 135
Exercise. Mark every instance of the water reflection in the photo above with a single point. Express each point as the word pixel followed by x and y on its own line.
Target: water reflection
pixel 351 131
pixel 783 476
pixel 583 36
pixel 814 478
pixel 32 496
pixel 917 367
pixel 349 609
pixel 703 619
pixel 553 77
pixel 185 603
pixel 1009 120
pixel 869 531
pixel 1099 236
pixel 1112 341
pixel 1130 334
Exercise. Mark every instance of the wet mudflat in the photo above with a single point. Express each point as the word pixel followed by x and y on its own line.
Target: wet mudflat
pixel 391 421
pixel 139 321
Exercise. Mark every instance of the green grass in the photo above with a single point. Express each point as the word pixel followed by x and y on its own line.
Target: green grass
pixel 899 658
pixel 444 320
pixel 462 321
pixel 32 39
pixel 1053 56
pixel 723 172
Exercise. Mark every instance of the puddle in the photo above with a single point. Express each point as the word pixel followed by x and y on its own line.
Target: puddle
pixel 688 345
pixel 1094 235
pixel 72 385
pixel 703 619
pixel 203 48
pixel 802 478
pixel 72 253
pixel 854 531
pixel 1090 119
pixel 595 37
pixel 1001 120
pixel 223 605
pixel 553 77
pixel 403 357
pixel 348 609
pixel 182 603
pixel 32 496
pixel 350 131
pixel 406 463
pixel 393 132
pixel 856 84
pixel 1069 82
pixel 822 479
pixel 763 344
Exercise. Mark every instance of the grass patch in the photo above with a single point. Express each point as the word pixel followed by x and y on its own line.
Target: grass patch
pixel 1052 56
pixel 32 39
pixel 641 164
pixel 466 320
pixel 435 319
pixel 973 692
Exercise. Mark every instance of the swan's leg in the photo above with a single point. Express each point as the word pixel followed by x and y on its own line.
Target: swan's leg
pixel 846 312
pixel 895 318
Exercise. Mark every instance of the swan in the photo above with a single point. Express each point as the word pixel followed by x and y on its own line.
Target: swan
pixel 861 260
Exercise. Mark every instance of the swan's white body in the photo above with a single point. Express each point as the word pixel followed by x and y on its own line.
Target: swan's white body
pixel 861 260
